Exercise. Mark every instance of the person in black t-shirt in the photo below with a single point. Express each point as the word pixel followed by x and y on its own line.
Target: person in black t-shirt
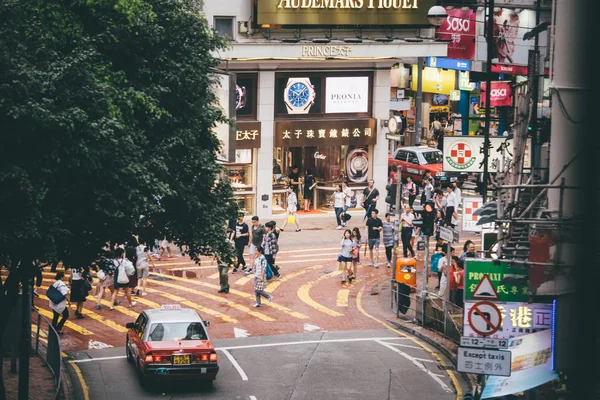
pixel 371 195
pixel 294 179
pixel 374 226
pixel 242 237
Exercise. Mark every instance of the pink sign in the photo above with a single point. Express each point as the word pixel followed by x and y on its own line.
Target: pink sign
pixel 500 96
pixel 460 27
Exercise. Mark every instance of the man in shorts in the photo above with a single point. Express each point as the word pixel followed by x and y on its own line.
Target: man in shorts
pixel 374 226
pixel 257 233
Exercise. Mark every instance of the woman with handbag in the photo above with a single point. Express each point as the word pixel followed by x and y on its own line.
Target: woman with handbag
pixel 105 275
pixel 356 238
pixel 80 286
pixel 123 270
pixel 260 281
pixel 57 293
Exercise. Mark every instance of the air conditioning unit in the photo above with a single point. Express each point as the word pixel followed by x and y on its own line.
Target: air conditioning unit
pixel 243 27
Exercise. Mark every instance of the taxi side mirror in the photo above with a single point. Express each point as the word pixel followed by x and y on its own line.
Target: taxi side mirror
pixel 206 324
pixel 130 325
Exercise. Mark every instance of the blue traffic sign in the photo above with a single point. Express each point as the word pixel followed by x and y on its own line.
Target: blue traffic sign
pixel 449 63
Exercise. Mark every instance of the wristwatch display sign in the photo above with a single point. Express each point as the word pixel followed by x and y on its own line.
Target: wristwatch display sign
pixel 357 164
pixel 299 95
pixel 245 99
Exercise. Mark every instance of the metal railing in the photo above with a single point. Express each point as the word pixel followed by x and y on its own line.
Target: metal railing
pixel 427 310
pixel 46 344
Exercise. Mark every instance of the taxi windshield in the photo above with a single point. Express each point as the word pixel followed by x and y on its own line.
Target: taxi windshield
pixel 432 157
pixel 177 330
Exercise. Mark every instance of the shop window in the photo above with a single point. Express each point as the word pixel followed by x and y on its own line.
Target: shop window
pixel 241 176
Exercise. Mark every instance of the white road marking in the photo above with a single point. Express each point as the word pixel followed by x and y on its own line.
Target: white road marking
pixel 252 397
pixel 94 344
pixel 311 328
pixel 235 364
pixel 406 345
pixel 424 360
pixel 252 346
pixel 240 332
pixel 435 377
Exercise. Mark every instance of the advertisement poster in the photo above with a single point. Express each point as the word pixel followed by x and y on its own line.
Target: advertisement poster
pixel 347 94
pixel 357 164
pixel 509 28
pixel 435 80
pixel 460 27
pixel 500 95
pixel 531 366
pixel 245 90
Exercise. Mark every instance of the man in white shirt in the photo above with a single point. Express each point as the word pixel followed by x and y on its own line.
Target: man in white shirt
pixel 451 206
pixel 428 190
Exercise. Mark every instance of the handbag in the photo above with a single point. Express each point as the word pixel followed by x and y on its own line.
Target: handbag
pixel 291 219
pixel 87 285
pixel 101 275
pixel 260 285
pixel 55 295
pixel 355 252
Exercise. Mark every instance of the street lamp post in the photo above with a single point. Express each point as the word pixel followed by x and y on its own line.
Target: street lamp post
pixel 488 90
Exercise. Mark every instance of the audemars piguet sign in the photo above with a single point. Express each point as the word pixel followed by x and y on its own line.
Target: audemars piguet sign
pixel 344 12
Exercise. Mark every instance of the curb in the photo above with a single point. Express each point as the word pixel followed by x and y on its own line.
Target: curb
pixel 466 377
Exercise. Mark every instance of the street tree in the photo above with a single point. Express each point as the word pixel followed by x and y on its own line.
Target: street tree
pixel 107 112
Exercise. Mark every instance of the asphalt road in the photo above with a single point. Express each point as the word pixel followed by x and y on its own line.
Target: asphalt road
pixel 368 364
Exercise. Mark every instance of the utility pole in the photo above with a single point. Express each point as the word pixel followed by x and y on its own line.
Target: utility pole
pixel 535 88
pixel 397 219
pixel 488 90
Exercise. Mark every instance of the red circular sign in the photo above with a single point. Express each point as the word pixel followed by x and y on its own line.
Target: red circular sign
pixel 485 318
pixel 461 153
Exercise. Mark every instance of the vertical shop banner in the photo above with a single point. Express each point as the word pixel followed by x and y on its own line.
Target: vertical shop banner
pixel 531 366
pixel 500 95
pixel 509 28
pixel 460 27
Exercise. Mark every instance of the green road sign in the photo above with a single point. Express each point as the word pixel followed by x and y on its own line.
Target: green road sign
pixel 485 280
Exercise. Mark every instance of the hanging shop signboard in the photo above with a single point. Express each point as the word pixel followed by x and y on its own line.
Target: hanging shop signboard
pixel 344 12
pixel 465 153
pixel 247 135
pixel 300 133
pixel 500 95
pixel 509 283
pixel 435 80
pixel 460 27
pixel 449 63
pixel 516 319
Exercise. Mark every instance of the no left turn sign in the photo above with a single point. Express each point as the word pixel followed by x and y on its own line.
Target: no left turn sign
pixel 485 318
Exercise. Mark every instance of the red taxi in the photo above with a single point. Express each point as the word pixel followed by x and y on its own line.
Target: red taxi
pixel 171 343
pixel 413 161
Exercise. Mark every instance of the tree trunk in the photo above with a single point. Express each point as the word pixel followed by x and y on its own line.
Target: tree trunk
pixel 2 388
pixel 9 294
pixel 25 340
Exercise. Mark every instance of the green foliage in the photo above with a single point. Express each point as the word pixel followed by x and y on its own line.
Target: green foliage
pixel 106 115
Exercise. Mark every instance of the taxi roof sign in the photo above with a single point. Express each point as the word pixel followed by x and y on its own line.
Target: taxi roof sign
pixel 170 307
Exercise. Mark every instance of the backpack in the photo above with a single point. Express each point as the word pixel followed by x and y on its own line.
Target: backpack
pixel 269 272
pixel 353 200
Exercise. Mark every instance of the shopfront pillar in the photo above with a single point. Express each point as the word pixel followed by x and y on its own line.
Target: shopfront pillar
pixel 264 170
pixel 381 112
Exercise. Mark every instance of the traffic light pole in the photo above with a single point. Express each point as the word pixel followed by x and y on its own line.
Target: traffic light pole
pixel 397 219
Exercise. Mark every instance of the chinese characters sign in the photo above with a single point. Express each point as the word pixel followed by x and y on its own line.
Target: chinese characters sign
pixel 461 28
pixel 518 319
pixel 466 153
pixel 247 135
pixel 469 219
pixel 511 284
pixel 325 133
pixel 487 362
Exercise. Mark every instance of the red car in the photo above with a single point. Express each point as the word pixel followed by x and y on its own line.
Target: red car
pixel 413 161
pixel 171 343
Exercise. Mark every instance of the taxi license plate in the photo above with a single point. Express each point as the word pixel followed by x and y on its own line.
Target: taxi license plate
pixel 181 359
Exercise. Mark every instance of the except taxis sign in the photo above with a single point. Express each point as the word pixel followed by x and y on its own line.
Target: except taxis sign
pixel 510 283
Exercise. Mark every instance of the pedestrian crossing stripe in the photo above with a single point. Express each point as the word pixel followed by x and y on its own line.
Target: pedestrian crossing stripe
pixel 71 325
pixel 274 285
pixel 242 281
pixel 191 304
pixel 304 295
pixel 342 298
pixel 245 295
pixel 218 299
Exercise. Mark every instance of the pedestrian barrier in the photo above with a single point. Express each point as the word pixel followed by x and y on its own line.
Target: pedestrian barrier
pixel 46 344
pixel 427 310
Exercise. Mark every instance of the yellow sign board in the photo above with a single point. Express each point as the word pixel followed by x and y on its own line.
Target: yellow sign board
pixel 435 80
pixel 344 12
